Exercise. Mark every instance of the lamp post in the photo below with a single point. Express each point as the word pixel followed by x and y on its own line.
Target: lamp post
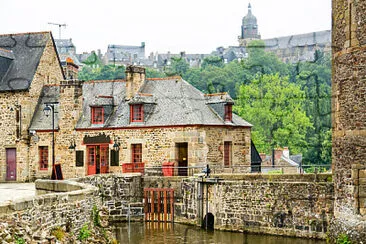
pixel 50 107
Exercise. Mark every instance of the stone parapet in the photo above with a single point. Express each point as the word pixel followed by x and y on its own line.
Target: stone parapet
pixel 32 218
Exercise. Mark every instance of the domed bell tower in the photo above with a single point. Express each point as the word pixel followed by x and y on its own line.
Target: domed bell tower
pixel 249 28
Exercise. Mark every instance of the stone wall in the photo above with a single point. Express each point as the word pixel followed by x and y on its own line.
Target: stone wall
pixel 205 146
pixel 280 205
pixel 32 218
pixel 17 109
pixel 349 118
pixel 118 192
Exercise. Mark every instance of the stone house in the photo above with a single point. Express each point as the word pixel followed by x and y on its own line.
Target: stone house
pixel 137 125
pixel 28 62
pixel 281 160
pixel 132 125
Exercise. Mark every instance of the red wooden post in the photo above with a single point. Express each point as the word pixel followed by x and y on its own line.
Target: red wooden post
pixel 152 205
pixel 165 206
pixel 159 202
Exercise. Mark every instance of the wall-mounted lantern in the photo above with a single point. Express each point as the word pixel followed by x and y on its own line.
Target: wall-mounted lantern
pixel 116 144
pixel 72 145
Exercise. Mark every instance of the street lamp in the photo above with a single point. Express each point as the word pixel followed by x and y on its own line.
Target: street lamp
pixel 47 111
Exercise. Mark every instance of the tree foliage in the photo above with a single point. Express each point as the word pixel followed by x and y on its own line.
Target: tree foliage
pixel 275 107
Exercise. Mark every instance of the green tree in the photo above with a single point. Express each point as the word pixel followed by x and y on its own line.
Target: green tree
pixel 315 80
pixel 178 66
pixel 212 61
pixel 152 73
pixel 105 72
pixel 261 62
pixel 275 107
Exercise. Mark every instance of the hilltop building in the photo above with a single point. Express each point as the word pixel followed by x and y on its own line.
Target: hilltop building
pixel 124 55
pixel 249 28
pixel 289 49
pixel 127 125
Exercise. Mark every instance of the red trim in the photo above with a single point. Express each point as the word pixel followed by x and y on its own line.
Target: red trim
pixel 161 126
pixel 97 115
pixel 43 157
pixel 136 153
pixel 136 113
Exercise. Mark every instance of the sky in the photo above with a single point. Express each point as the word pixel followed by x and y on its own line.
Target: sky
pixel 193 26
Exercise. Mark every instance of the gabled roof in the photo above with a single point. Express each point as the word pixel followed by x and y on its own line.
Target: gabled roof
pixel 168 102
pixel 24 53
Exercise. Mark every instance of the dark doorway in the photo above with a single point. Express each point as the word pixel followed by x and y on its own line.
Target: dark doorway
pixel 208 221
pixel 11 164
pixel 182 153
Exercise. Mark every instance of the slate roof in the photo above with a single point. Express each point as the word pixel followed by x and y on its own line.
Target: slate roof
pixel 124 52
pixel 20 60
pixel 314 38
pixel 50 94
pixel 167 102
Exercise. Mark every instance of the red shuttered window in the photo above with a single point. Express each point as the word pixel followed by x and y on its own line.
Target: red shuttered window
pixel 136 153
pixel 227 154
pixel 43 158
pixel 97 115
pixel 137 113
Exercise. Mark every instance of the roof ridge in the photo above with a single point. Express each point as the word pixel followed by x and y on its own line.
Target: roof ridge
pixel 216 94
pixel 165 78
pixel 101 81
pixel 25 33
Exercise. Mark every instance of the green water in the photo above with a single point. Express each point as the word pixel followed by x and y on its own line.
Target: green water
pixel 177 233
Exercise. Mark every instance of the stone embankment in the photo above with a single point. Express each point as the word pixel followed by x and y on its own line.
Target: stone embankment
pixel 63 204
pixel 291 205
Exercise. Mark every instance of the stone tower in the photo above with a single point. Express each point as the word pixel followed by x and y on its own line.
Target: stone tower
pixel 249 28
pixel 349 118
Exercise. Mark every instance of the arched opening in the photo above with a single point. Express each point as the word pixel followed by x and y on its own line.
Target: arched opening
pixel 208 221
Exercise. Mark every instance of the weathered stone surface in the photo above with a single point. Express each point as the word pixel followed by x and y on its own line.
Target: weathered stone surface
pixel 349 120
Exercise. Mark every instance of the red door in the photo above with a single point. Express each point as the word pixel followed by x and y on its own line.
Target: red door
pixel 11 164
pixel 98 159
pixel 92 166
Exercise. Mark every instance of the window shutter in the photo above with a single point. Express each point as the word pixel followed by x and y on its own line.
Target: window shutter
pixel 79 158
pixel 114 158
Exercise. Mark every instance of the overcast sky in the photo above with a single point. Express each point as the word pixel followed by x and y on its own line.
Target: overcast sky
pixel 194 26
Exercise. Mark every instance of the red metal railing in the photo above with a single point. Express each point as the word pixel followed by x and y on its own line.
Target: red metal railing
pixel 133 168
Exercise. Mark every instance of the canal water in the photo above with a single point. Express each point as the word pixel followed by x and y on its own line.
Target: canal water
pixel 156 233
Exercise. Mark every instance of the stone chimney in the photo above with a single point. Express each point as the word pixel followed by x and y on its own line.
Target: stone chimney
pixel 135 77
pixel 278 153
pixel 70 69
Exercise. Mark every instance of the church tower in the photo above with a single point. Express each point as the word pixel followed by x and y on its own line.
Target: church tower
pixel 249 28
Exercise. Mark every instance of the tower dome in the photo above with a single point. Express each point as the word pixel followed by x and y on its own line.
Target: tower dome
pixel 249 27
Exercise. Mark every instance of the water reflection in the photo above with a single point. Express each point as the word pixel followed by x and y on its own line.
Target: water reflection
pixel 155 233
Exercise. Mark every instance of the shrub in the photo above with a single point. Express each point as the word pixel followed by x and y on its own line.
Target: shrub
pixel 343 239
pixel 84 233
pixel 58 232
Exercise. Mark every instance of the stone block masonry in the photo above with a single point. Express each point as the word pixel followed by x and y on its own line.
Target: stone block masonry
pixel 349 118
pixel 277 205
pixel 33 218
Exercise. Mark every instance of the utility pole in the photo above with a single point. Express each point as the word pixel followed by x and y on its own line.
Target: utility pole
pixel 59 28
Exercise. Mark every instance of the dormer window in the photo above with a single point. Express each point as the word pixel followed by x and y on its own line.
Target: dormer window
pixel 136 113
pixel 228 112
pixel 97 115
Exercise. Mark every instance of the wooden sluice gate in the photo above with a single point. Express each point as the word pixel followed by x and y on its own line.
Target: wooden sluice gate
pixel 159 204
